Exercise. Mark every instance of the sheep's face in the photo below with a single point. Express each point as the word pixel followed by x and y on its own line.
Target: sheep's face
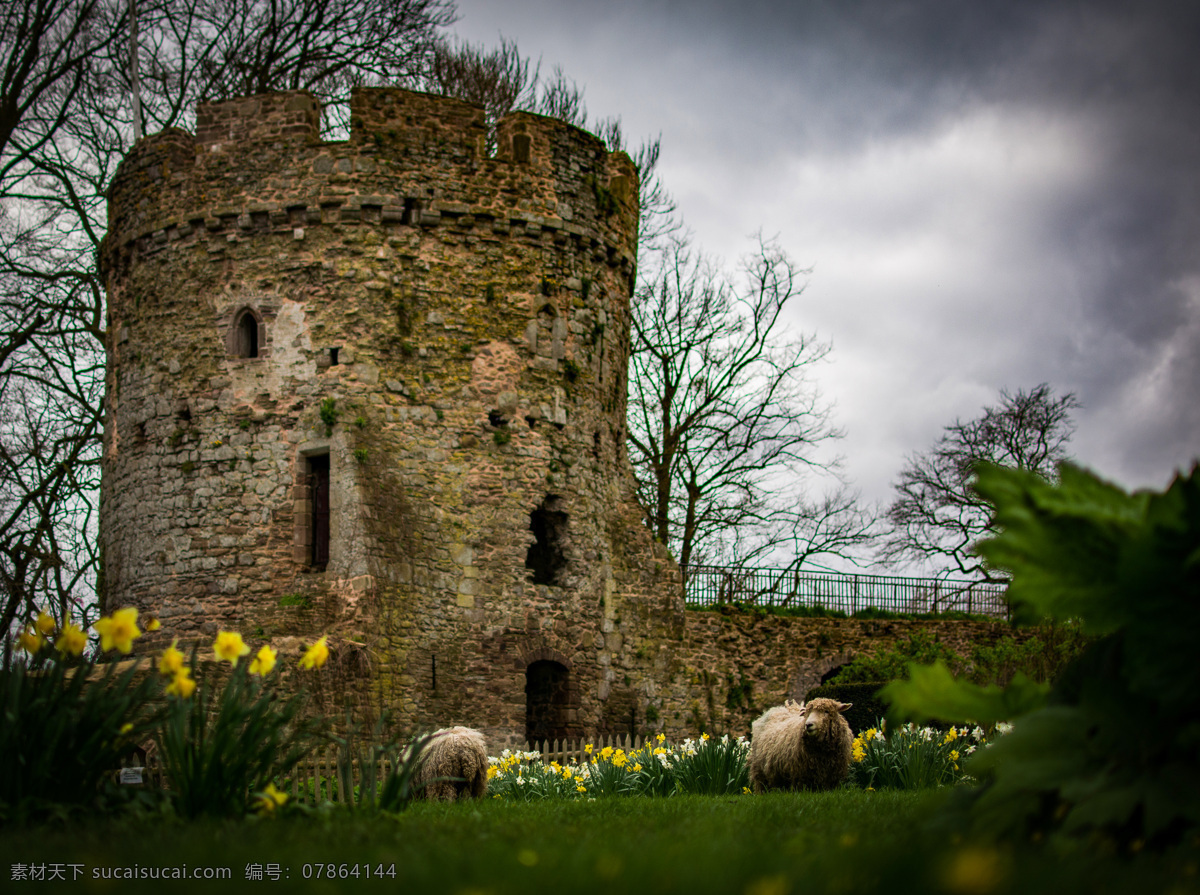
pixel 822 717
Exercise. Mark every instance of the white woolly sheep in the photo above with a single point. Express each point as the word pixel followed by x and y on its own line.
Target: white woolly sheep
pixel 801 746
pixel 459 753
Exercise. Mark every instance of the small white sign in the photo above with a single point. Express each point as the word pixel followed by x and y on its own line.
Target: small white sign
pixel 131 775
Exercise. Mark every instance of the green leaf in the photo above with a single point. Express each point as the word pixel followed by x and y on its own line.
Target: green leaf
pixel 932 692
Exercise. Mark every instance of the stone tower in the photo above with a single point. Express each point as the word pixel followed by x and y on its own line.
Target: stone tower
pixel 376 388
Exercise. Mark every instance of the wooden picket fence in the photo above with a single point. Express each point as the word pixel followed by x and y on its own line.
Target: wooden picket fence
pixel 318 779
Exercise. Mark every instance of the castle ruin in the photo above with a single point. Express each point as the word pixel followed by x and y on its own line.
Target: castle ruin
pixel 376 388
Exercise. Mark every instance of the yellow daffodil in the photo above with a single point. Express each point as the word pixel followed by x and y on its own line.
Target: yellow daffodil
pixel 125 728
pixel 230 647
pixel 263 662
pixel 46 624
pixel 153 624
pixel 316 655
pixel 171 660
pixel 270 799
pixel 182 684
pixel 31 640
pixel 119 630
pixel 661 737
pixel 71 640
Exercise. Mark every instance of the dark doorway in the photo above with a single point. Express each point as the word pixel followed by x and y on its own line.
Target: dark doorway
pixel 318 475
pixel 546 556
pixel 547 688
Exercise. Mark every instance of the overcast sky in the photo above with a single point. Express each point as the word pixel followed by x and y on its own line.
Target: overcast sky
pixel 991 195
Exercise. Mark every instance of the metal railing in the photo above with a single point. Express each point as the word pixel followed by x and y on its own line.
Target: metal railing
pixel 712 585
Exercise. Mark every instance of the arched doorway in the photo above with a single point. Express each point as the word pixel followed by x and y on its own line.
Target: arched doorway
pixel 547 693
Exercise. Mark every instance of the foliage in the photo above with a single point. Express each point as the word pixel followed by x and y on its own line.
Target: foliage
pixel 912 757
pixel 1040 658
pixel 229 740
pixel 714 767
pixel 329 414
pixel 394 790
pixel 1110 752
pixel 67 728
pixel 888 663
pixel 937 517
pixel 706 766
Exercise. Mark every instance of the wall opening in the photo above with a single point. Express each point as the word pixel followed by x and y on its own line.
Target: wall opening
pixel 547 555
pixel 832 672
pixel 547 696
pixel 318 484
pixel 246 336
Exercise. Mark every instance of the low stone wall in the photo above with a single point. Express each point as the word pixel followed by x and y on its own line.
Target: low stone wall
pixel 731 666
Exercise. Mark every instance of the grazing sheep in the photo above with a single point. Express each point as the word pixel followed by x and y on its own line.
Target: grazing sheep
pixel 454 752
pixel 801 746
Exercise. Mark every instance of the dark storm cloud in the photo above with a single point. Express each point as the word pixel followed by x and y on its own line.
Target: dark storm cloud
pixel 855 73
pixel 859 103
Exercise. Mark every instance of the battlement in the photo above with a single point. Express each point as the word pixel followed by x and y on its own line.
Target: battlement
pixel 412 159
pixel 268 117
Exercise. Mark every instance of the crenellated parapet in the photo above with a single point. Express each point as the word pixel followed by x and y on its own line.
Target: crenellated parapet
pixel 412 159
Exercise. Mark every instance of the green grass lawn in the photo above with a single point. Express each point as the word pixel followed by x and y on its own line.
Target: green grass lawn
pixel 839 842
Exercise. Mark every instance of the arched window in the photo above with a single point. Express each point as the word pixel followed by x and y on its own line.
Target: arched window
pixel 245 335
pixel 547 695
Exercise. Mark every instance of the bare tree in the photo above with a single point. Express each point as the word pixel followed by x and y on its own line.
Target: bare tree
pixel 938 517
pixel 725 420
pixel 502 80
pixel 65 124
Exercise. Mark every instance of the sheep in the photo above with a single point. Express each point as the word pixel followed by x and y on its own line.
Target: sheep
pixel 801 746
pixel 453 752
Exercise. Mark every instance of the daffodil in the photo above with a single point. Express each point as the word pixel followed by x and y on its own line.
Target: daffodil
pixel 230 647
pixel 263 662
pixel 46 624
pixel 31 640
pixel 316 655
pixel 182 684
pixel 153 624
pixel 270 799
pixel 119 630
pixel 71 640
pixel 171 660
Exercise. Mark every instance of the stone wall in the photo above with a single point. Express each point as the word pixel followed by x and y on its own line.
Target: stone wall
pixel 732 666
